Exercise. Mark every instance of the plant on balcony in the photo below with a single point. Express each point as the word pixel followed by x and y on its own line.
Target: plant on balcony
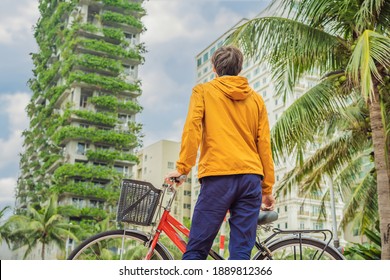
pixel 84 171
pixel 109 16
pixel 95 136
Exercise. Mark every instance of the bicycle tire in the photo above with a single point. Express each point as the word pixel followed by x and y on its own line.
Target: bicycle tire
pixel 290 249
pixel 108 246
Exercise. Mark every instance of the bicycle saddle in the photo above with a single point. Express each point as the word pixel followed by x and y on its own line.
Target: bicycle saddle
pixel 266 217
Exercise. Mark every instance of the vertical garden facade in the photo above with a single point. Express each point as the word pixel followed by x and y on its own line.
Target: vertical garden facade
pixel 82 131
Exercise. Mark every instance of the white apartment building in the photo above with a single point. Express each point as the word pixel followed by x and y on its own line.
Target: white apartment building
pixel 155 161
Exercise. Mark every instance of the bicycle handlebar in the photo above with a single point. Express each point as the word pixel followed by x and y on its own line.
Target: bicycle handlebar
pixel 173 180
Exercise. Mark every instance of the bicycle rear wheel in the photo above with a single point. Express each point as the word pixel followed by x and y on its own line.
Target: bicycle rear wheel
pixel 299 249
pixel 117 245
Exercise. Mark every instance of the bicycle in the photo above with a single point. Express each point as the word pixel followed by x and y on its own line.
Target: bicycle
pixel 138 204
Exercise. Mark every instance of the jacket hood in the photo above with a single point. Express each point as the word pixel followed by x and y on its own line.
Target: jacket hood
pixel 233 87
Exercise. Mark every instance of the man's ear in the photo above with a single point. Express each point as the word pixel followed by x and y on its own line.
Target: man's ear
pixel 215 71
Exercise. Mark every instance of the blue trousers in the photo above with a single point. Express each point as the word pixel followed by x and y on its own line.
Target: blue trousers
pixel 241 195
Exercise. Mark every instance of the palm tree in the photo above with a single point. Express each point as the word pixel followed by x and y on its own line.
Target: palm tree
pixel 3 230
pixel 42 226
pixel 367 251
pixel 347 43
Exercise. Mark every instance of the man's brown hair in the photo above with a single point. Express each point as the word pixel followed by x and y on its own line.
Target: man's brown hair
pixel 227 60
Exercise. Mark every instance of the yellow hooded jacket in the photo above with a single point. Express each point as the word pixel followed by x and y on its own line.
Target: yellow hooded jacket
pixel 229 121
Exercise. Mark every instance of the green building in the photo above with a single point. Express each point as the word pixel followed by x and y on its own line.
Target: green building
pixel 82 130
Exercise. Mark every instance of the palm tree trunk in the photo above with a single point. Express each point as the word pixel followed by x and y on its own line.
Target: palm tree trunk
pixel 383 182
pixel 43 251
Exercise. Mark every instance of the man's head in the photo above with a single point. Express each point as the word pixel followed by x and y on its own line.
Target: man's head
pixel 227 60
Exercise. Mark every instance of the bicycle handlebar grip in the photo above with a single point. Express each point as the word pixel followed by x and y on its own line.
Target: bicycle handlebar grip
pixel 179 179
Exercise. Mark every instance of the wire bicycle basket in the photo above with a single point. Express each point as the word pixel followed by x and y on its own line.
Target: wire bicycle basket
pixel 138 202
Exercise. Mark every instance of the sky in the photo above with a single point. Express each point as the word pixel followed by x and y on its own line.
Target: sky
pixel 177 30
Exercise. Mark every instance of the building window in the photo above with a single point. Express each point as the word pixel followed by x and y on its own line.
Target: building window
pixel 131 38
pixel 199 63
pixel 257 84
pixel 123 118
pixel 82 148
pixel 122 169
pixel 301 225
pixel 171 165
pixel 316 210
pixel 285 208
pixel 83 100
pixel 318 226
pixel 129 70
pixel 205 57
pixel 101 147
pixel 78 202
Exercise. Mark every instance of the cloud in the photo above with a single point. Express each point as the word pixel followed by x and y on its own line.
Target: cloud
pixel 7 191
pixel 13 107
pixel 16 18
pixel 176 32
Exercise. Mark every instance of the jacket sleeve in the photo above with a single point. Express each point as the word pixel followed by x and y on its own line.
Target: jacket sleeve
pixel 264 150
pixel 192 132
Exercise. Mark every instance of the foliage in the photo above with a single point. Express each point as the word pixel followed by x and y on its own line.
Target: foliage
pixel 110 156
pixel 124 5
pixel 85 171
pixel 92 62
pixel 86 189
pixel 97 118
pixel 103 46
pixel 3 231
pixel 85 212
pixel 44 226
pixel 103 82
pixel 367 251
pixel 110 103
pixel 109 16
pixel 95 136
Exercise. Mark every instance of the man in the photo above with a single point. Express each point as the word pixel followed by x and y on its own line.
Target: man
pixel 229 121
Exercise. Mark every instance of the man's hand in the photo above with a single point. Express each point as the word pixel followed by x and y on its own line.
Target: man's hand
pixel 173 174
pixel 268 202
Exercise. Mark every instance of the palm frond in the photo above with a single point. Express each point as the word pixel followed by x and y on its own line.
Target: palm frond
pixel 362 205
pixel 371 51
pixel 368 14
pixel 330 159
pixel 291 47
pixel 301 121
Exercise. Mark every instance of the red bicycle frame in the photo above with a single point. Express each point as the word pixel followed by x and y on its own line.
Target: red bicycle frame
pixel 170 226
